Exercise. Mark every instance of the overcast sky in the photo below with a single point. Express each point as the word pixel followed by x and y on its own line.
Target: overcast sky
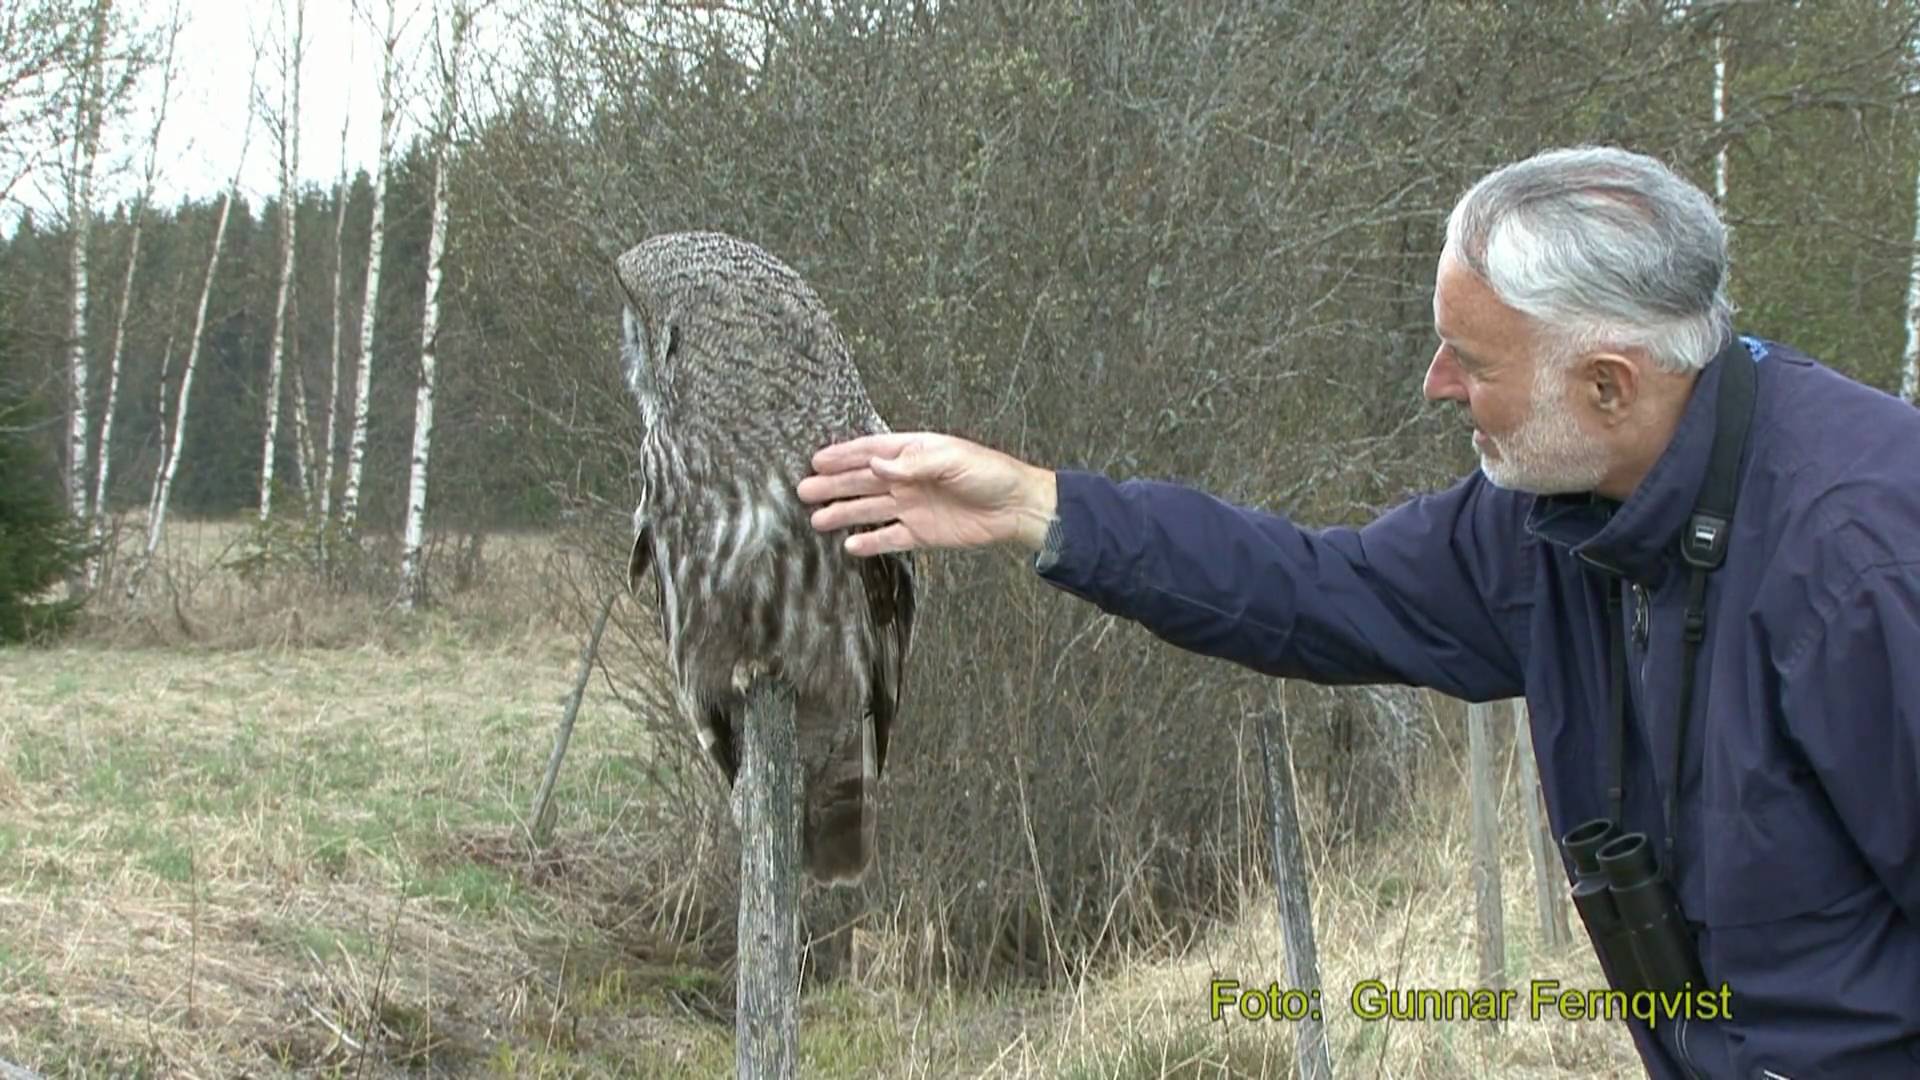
pixel 206 120
pixel 339 80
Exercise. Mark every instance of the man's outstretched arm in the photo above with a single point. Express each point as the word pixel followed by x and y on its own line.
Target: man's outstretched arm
pixel 1430 594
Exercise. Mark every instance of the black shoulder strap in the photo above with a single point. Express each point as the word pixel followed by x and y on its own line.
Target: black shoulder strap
pixel 1617 747
pixel 1704 544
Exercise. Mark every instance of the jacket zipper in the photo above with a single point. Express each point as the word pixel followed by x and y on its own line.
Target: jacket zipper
pixel 1686 1056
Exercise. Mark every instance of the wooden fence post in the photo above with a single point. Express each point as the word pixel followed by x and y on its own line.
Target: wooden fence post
pixel 1290 883
pixel 10 1071
pixel 1489 930
pixel 767 1013
pixel 1549 876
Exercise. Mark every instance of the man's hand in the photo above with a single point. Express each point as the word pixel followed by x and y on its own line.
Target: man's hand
pixel 935 491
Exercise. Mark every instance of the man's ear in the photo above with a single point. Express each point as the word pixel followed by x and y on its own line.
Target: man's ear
pixel 1611 382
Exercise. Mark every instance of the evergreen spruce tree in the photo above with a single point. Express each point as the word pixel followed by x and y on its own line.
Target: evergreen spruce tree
pixel 41 545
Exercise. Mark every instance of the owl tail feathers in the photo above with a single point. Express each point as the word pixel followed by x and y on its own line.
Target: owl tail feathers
pixel 838 839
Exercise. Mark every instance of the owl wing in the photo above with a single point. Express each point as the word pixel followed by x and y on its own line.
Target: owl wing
pixel 715 727
pixel 639 559
pixel 889 581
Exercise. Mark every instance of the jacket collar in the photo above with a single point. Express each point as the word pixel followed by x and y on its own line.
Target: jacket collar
pixel 1639 538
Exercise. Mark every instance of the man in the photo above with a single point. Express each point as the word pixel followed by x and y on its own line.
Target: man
pixel 1583 325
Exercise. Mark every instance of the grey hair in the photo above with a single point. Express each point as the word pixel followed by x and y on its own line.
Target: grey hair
pixel 1603 248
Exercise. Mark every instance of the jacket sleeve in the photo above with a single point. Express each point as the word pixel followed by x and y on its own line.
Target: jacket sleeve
pixel 1434 593
pixel 1851 698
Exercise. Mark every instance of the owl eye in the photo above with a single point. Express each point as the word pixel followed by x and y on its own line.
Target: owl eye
pixel 673 340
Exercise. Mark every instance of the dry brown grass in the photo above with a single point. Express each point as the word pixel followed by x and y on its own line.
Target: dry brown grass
pixel 293 843
pixel 1403 916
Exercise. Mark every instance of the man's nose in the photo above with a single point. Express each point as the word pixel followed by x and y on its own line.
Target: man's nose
pixel 1443 378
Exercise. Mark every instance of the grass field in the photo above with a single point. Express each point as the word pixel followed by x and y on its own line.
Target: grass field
pixel 269 850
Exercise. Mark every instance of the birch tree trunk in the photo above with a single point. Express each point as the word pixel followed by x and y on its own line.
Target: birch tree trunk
pixel 1910 361
pixel 376 240
pixel 1720 117
pixel 86 148
pixel 288 127
pixel 104 458
pixel 303 460
pixel 170 461
pixel 1720 126
pixel 160 416
pixel 412 573
pixel 333 368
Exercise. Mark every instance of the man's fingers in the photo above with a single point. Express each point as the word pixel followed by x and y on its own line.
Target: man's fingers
pixel 895 537
pixel 846 485
pixel 856 453
pixel 911 464
pixel 871 510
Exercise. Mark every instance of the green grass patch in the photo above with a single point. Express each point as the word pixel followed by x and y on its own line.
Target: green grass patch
pixel 472 888
pixel 20 971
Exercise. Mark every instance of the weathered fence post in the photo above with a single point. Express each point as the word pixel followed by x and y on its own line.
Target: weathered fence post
pixel 767 1014
pixel 1489 930
pixel 1549 878
pixel 1290 885
pixel 542 815
pixel 10 1071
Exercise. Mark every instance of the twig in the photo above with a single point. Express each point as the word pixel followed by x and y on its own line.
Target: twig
pixel 375 1025
pixel 541 826
pixel 338 1031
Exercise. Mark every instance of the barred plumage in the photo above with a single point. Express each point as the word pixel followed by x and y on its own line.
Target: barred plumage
pixel 740 376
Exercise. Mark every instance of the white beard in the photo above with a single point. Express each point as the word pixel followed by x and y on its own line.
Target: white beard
pixel 1547 454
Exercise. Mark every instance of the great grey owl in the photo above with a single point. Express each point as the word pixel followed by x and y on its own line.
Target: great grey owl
pixel 740 376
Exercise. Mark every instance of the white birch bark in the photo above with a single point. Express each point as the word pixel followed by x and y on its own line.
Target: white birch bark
pixel 86 148
pixel 288 127
pixel 333 369
pixel 304 460
pixel 156 521
pixel 104 457
pixel 1910 356
pixel 1910 359
pixel 412 573
pixel 1720 126
pixel 376 241
pixel 1720 117
pixel 160 427
pixel 160 413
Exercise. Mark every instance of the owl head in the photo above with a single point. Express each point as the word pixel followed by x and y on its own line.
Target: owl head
pixel 649 338
pixel 643 351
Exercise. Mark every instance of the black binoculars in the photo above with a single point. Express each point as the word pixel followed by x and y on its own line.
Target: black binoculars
pixel 1627 903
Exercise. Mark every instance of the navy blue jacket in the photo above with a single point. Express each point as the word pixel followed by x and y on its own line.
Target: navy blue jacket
pixel 1799 844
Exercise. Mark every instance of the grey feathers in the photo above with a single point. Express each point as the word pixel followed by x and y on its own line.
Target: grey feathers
pixel 740 376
